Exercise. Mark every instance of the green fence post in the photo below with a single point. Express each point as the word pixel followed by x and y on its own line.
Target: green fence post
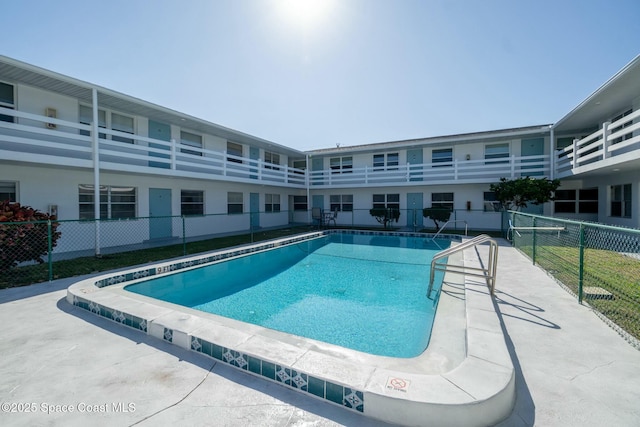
pixel 184 237
pixel 50 250
pixel 534 241
pixel 581 264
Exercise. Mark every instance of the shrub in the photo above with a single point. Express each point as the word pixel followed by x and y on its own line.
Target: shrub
pixel 26 239
pixel 385 215
pixel 437 214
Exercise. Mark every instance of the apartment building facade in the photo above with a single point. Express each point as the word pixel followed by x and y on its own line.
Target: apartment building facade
pixel 65 143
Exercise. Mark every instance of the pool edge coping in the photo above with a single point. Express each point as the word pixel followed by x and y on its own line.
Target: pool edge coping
pixel 479 391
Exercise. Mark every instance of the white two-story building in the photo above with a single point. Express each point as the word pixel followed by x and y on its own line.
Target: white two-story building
pixel 66 143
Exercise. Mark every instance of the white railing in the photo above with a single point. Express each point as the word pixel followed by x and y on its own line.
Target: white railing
pixel 611 140
pixel 484 170
pixel 48 140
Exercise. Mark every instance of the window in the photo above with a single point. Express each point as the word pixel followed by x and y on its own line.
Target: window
pixel 392 161
pixel 386 201
pixel 442 200
pixel 622 126
pixel 565 201
pixel 124 124
pixel 621 201
pixel 234 149
pixel 117 122
pixel 583 201
pixel 8 191
pixel 341 164
pixel 190 140
pixel 115 202
pixel 588 200
pixel 299 203
pixel 7 100
pixel 496 151
pixel 442 155
pixel 341 202
pixel 234 203
pixel 191 202
pixel 270 160
pixel 378 162
pixel 272 203
pixel 300 166
pixel 491 204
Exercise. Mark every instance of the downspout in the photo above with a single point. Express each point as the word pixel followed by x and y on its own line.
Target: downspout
pixel 96 168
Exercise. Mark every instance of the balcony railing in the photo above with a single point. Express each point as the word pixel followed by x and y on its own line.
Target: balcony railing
pixel 456 171
pixel 612 141
pixel 41 139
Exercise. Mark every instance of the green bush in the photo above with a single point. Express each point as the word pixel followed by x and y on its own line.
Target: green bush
pixel 437 214
pixel 26 238
pixel 385 215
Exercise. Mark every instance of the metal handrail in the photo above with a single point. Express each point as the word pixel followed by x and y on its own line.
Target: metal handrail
pixel 488 273
pixel 466 226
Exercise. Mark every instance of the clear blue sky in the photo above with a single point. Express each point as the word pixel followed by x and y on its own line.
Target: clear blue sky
pixel 354 72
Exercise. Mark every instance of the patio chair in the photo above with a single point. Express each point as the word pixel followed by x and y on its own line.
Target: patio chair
pixel 331 216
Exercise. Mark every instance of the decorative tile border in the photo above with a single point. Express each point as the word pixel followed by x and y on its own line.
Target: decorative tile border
pixel 117 316
pixel 283 375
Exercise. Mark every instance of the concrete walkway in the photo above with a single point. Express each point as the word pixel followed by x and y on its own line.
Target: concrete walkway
pixel 572 369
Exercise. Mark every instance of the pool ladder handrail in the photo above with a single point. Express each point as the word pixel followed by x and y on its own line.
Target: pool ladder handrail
pixel 488 273
pixel 466 226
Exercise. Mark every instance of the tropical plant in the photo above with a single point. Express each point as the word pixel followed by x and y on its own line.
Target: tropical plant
pixel 385 215
pixel 437 215
pixel 24 234
pixel 516 193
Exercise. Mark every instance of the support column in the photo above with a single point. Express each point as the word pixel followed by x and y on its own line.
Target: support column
pixel 96 168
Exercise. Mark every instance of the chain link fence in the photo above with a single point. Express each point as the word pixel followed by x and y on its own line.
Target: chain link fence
pixel 65 248
pixel 599 264
pixel 39 251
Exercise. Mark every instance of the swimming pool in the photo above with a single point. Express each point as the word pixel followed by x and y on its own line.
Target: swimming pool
pixel 464 377
pixel 362 292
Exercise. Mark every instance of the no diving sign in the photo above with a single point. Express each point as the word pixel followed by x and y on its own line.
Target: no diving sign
pixel 398 384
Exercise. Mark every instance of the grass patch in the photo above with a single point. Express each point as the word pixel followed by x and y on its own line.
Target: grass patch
pixel 613 271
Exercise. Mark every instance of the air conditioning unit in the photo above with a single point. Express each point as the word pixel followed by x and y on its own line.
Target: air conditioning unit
pixel 51 112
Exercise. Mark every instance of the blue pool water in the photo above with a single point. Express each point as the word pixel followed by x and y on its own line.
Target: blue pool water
pixel 367 293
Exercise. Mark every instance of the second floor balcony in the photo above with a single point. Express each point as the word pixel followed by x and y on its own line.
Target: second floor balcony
pixel 32 138
pixel 453 172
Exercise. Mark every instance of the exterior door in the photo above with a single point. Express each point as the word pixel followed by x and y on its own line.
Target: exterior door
pixel 531 147
pixel 414 207
pixel 160 221
pixel 162 132
pixel 317 201
pixel 254 209
pixel 317 163
pixel 414 157
pixel 254 154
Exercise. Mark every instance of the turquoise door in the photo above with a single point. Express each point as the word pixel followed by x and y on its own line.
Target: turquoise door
pixel 162 132
pixel 414 210
pixel 254 154
pixel 254 209
pixel 317 201
pixel 160 221
pixel 531 147
pixel 317 164
pixel 414 157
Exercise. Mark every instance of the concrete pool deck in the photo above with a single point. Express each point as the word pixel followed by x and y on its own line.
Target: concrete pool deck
pixel 571 368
